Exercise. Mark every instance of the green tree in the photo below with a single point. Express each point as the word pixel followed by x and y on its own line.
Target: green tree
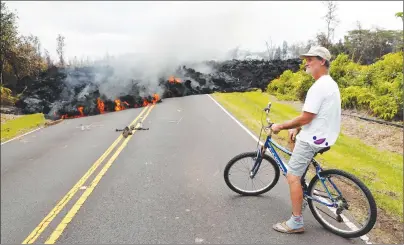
pixel 8 36
pixel 278 53
pixel 331 20
pixel 309 44
pixel 60 49
pixel 48 58
pixel 400 15
pixel 322 40
pixel 368 46
pixel 296 49
pixel 284 50
pixel 270 49
pixel 338 48
pixel 26 59
pixel 20 56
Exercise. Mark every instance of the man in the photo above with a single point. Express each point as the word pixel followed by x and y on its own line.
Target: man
pixel 317 127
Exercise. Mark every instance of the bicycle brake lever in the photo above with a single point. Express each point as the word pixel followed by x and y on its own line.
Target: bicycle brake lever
pixel 268 108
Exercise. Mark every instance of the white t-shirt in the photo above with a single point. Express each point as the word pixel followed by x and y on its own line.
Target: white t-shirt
pixel 323 99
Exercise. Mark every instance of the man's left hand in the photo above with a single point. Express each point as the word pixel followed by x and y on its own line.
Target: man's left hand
pixel 276 128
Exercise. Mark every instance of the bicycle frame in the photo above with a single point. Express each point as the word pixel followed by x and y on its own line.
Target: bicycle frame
pixel 271 145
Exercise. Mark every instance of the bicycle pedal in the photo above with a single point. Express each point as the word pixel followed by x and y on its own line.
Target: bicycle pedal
pixel 304 204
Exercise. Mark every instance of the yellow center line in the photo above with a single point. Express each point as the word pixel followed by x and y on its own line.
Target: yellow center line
pixel 73 211
pixel 62 203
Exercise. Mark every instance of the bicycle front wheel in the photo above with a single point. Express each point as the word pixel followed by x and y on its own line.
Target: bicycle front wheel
pixel 237 174
pixel 356 211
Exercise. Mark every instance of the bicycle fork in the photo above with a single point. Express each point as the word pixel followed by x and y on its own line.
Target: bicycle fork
pixel 257 163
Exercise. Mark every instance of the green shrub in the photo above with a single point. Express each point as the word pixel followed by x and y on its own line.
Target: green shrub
pixel 386 79
pixel 303 82
pixel 345 72
pixel 387 68
pixel 283 86
pixel 6 96
pixel 355 97
pixel 338 67
pixel 291 86
pixel 385 107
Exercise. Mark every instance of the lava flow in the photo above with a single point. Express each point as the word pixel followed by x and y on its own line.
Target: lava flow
pixel 110 106
pixel 47 93
pixel 80 109
pixel 101 106
pixel 118 106
pixel 145 102
pixel 173 79
pixel 155 99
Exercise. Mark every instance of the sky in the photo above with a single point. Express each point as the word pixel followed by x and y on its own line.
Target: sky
pixel 188 30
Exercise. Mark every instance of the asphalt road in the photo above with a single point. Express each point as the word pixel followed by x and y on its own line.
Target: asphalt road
pixel 165 186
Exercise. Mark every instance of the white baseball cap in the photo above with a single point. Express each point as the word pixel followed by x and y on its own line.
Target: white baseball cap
pixel 317 51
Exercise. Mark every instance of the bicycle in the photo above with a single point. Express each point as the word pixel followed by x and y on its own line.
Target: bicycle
pixel 337 203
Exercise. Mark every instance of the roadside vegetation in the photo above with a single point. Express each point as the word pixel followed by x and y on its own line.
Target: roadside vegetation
pixel 11 128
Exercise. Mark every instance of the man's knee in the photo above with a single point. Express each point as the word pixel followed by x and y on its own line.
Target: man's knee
pixel 293 179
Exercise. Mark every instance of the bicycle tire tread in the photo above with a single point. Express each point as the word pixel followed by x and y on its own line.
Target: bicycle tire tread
pixel 250 154
pixel 366 191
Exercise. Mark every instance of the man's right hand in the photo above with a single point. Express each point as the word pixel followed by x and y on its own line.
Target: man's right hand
pixel 292 134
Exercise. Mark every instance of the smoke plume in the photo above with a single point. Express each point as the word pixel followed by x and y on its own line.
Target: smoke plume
pixel 176 38
pixel 183 46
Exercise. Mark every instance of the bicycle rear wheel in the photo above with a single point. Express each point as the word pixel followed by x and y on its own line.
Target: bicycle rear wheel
pixel 241 165
pixel 356 212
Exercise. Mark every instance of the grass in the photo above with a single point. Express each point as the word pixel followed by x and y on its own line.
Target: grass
pixel 20 125
pixel 381 171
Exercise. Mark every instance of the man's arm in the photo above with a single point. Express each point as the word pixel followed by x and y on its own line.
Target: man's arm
pixel 298 122
pixel 310 109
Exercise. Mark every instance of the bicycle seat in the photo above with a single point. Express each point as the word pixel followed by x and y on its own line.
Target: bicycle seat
pixel 324 149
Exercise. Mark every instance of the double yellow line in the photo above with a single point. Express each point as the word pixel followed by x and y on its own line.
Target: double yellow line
pixel 62 203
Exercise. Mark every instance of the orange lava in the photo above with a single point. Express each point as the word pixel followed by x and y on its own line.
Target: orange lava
pixel 156 98
pixel 118 106
pixel 100 106
pixel 173 79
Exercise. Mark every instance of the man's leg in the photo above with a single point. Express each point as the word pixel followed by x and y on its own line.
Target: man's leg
pixel 301 156
pixel 296 194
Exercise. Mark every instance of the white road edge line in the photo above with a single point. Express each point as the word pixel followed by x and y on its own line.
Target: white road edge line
pixel 346 220
pixel 231 116
pixel 22 135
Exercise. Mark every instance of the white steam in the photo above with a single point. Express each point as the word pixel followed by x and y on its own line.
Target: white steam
pixel 187 38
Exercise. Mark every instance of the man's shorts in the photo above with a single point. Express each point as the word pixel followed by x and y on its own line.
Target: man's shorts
pixel 301 156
